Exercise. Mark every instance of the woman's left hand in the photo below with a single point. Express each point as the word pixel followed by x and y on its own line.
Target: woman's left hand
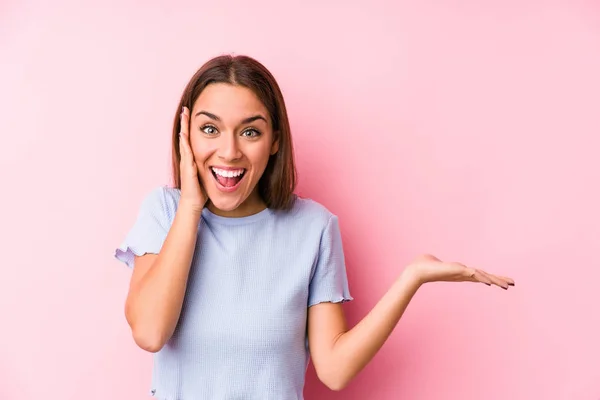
pixel 428 268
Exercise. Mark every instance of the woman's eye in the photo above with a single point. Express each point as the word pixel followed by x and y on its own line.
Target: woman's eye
pixel 209 130
pixel 251 133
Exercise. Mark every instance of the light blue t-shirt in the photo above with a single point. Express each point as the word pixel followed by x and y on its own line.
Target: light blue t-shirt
pixel 242 330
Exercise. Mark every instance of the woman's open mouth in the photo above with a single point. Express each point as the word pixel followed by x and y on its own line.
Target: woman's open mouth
pixel 228 180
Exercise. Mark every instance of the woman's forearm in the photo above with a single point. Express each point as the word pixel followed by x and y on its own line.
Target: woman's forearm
pixel 154 302
pixel 355 348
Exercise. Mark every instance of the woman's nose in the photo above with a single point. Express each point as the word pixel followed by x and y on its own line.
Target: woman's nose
pixel 229 148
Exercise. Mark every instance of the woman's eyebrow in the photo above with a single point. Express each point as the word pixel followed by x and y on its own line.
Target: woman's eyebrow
pixel 253 118
pixel 216 118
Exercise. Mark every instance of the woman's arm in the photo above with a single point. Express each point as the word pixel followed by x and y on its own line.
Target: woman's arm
pixel 340 354
pixel 158 283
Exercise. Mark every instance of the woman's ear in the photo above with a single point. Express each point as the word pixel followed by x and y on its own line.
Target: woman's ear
pixel 275 145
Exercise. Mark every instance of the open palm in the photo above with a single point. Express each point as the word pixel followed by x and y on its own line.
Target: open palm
pixel 428 268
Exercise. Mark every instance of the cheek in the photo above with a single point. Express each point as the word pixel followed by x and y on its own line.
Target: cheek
pixel 201 151
pixel 260 155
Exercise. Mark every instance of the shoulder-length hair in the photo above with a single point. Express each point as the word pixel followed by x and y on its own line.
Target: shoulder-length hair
pixel 278 182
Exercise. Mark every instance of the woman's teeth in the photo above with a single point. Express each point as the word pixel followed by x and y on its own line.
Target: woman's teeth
pixel 228 178
pixel 228 173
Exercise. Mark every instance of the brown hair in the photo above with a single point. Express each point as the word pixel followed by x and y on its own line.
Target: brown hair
pixel 277 184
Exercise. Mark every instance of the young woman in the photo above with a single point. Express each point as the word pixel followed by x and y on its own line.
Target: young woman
pixel 236 280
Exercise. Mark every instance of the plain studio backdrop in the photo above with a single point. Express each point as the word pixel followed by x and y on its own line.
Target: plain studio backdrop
pixel 467 129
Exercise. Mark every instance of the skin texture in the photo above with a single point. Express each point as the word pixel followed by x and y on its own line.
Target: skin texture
pixel 214 134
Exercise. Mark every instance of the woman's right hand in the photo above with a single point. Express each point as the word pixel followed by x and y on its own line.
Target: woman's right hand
pixel 193 194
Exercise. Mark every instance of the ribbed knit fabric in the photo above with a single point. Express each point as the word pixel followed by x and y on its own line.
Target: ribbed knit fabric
pixel 242 330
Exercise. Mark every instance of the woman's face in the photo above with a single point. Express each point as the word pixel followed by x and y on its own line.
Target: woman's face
pixel 232 139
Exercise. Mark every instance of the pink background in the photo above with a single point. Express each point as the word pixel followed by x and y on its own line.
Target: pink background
pixel 466 129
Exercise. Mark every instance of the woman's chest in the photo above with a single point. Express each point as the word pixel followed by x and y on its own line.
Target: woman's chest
pixel 254 292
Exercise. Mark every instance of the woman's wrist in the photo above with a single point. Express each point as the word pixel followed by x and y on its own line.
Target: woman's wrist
pixel 411 276
pixel 189 210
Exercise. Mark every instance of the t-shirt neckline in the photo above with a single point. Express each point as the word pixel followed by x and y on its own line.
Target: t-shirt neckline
pixel 212 217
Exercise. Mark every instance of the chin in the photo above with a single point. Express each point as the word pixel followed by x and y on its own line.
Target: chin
pixel 226 205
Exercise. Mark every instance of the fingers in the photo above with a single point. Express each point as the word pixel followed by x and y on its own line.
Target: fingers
pixel 510 281
pixel 500 281
pixel 496 281
pixel 477 275
pixel 480 276
pixel 185 121
pixel 184 137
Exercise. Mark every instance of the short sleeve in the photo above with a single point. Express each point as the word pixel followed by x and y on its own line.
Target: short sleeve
pixel 149 230
pixel 329 282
